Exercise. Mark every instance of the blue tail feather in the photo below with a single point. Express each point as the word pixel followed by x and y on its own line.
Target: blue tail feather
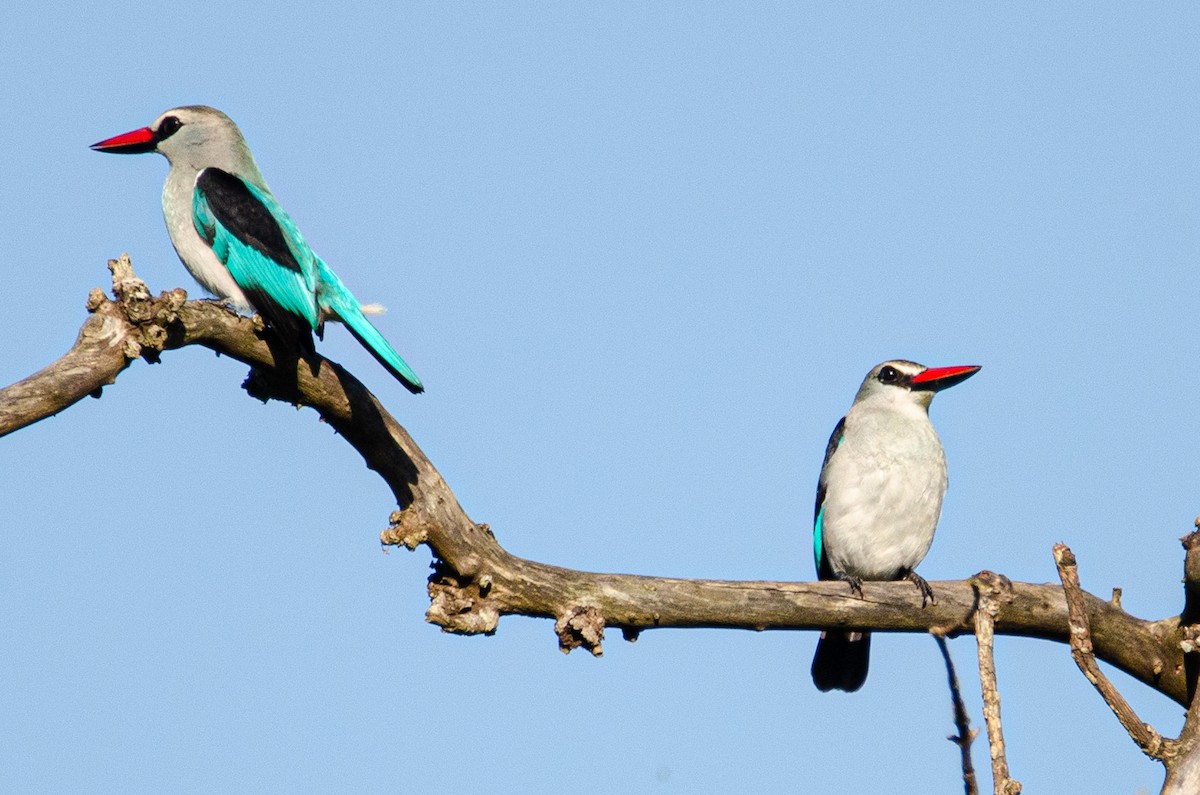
pixel 380 348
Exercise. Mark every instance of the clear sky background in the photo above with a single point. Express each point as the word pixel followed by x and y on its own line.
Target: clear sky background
pixel 642 256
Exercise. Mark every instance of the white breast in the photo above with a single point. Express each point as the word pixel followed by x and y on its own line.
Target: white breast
pixel 884 490
pixel 196 254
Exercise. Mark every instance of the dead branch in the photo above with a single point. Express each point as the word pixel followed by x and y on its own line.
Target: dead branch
pixel 1182 756
pixel 993 589
pixel 475 581
pixel 1149 740
pixel 962 721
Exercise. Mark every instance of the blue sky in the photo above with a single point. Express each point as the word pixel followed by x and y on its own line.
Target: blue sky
pixel 641 255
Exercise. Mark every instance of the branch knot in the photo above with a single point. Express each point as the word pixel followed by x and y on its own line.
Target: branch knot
pixel 582 625
pixel 461 605
pixel 404 530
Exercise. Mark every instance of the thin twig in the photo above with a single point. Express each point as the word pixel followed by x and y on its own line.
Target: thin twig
pixel 1149 740
pixel 989 586
pixel 962 721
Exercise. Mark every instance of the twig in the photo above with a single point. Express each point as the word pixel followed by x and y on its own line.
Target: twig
pixel 988 587
pixel 1149 740
pixel 962 721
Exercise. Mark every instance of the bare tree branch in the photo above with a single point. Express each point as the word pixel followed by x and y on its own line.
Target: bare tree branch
pixel 962 721
pixel 992 589
pixel 475 581
pixel 106 344
pixel 1149 740
pixel 1182 756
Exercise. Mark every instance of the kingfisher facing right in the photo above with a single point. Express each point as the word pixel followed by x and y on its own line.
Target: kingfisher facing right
pixel 878 499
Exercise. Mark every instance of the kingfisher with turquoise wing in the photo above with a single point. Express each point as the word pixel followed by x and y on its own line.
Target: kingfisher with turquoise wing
pixel 237 241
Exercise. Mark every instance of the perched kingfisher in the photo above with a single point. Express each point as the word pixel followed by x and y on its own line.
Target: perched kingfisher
pixel 878 499
pixel 236 240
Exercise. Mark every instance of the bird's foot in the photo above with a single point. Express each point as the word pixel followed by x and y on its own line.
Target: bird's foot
pixel 855 583
pixel 922 586
pixel 230 305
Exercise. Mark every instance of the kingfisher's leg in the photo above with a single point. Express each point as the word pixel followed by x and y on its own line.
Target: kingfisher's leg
pixel 922 586
pixel 855 583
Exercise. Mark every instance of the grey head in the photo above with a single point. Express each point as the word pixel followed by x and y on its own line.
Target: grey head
pixel 192 138
pixel 900 382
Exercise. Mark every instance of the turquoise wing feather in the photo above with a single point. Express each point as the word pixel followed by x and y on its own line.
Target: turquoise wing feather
pixel 336 300
pixel 284 279
pixel 260 245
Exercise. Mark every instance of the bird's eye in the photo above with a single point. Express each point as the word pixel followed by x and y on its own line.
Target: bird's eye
pixel 169 127
pixel 889 375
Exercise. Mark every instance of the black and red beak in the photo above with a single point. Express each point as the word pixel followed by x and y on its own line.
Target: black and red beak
pixel 134 142
pixel 935 379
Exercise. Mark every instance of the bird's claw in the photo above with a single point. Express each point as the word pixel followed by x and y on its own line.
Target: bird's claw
pixel 855 583
pixel 922 586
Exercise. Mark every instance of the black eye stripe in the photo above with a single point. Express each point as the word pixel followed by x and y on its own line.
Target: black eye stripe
pixel 168 127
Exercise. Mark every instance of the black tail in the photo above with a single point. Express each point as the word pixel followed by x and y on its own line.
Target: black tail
pixel 841 661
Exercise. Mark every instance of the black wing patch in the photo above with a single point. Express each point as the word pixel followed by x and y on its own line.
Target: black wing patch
pixel 835 439
pixel 288 327
pixel 246 218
